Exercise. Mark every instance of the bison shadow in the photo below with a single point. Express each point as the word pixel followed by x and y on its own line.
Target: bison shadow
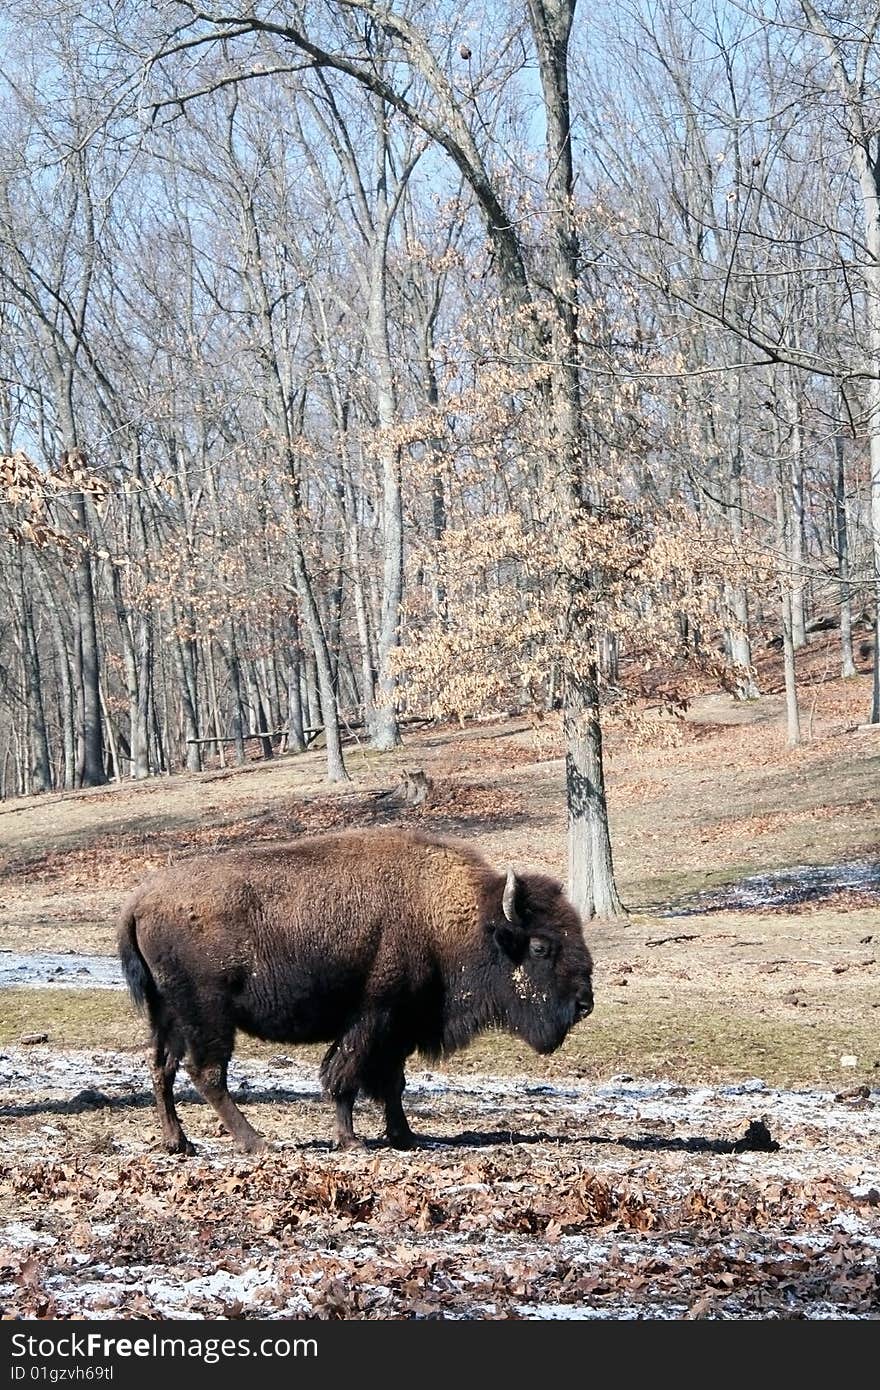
pixel 658 1143
pixel 89 1101
pixel 84 1102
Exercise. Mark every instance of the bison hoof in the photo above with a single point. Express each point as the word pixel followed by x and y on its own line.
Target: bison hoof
pixel 349 1143
pixel 403 1139
pixel 180 1146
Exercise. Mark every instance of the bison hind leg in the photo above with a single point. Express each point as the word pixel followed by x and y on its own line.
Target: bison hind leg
pixel 167 1052
pixel 209 1079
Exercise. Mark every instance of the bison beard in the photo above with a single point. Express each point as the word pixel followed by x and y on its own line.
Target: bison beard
pixel 382 943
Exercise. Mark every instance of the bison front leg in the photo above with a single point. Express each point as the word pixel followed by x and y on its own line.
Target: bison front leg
pixel 397 1129
pixel 340 1077
pixel 345 1135
pixel 209 1078
pixel 366 1059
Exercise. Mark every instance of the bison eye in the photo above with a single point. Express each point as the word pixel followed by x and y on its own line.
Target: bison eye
pixel 538 947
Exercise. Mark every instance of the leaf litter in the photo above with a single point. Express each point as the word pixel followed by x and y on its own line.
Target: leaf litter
pixel 632 1199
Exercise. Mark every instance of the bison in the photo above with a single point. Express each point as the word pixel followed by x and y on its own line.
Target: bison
pixel 380 942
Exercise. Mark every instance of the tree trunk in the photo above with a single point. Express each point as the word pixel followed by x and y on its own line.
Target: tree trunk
pixel 847 662
pixel 296 739
pixel 232 666
pixel 215 701
pixel 160 725
pixel 183 666
pixel 609 649
pixel 38 740
pixel 737 598
pixel 140 729
pixel 264 722
pixel 278 417
pixel 334 603
pixel 313 698
pixel 386 727
pixel 66 696
pixel 271 681
pixel 347 681
pixel 591 869
pixel 362 620
pixel 796 530
pixel 792 715
pixel 111 739
pixel 336 771
pixel 590 865
pixel 435 449
pixel 251 694
pixel 874 428
pixel 91 772
pixel 129 658
pixel 737 603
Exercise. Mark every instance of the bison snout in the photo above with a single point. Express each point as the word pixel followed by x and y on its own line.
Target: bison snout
pixel 584 1003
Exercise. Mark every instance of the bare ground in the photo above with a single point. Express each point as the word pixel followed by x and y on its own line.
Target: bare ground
pixel 550 1186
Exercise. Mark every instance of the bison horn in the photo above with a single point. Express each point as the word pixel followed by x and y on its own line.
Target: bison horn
pixel 508 901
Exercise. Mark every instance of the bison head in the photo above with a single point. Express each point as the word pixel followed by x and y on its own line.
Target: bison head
pixel 546 969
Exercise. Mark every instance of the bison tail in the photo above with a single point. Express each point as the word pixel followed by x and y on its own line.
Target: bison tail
pixel 141 985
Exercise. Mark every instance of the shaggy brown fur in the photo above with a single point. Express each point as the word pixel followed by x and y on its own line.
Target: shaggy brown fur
pixel 382 942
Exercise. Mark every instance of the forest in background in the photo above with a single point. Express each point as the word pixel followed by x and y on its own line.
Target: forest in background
pixel 360 363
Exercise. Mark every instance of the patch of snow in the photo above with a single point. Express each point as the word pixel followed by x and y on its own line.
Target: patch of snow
pixel 865 1188
pixel 17 1233
pixel 568 1312
pixel 54 968
pixel 100 1295
pixel 804 883
pixel 822 1312
pixel 630 1089
pixel 852 1225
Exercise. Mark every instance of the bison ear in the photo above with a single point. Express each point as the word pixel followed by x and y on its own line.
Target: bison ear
pixel 512 941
